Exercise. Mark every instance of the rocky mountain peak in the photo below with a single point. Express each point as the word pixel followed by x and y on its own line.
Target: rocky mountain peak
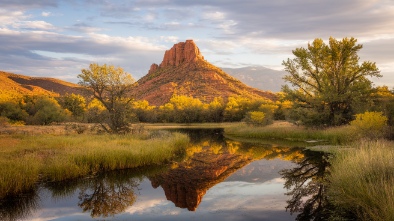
pixel 182 52
pixel 184 71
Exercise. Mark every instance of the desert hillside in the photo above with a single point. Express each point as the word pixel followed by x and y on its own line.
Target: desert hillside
pixel 19 84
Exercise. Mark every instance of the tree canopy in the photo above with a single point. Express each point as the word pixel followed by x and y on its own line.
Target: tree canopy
pixel 327 81
pixel 111 86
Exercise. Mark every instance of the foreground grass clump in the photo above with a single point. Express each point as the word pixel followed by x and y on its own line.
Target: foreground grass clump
pixel 287 131
pixel 362 180
pixel 26 160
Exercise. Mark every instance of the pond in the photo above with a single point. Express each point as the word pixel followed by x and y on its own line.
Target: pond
pixel 217 179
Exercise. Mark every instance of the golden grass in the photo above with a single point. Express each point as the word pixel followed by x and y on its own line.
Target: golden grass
pixel 286 131
pixel 160 126
pixel 362 180
pixel 25 159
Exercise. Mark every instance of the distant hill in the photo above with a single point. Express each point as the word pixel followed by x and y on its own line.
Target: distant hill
pixel 19 84
pixel 184 71
pixel 259 77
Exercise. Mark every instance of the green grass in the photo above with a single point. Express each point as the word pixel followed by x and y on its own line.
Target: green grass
pixel 362 180
pixel 26 160
pixel 286 131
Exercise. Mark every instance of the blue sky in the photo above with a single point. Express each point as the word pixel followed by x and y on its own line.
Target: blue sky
pixel 58 38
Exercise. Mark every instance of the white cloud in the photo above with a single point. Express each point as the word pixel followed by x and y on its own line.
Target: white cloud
pixel 46 14
pixel 172 39
pixel 8 17
pixel 42 25
pixel 214 15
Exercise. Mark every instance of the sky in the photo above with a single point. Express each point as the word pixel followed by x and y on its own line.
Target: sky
pixel 58 38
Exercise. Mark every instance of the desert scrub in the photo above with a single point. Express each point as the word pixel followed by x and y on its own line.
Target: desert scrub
pixel 26 160
pixel 362 180
pixel 370 125
pixel 335 135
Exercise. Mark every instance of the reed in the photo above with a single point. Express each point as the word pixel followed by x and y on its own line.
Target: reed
pixel 362 180
pixel 336 136
pixel 26 160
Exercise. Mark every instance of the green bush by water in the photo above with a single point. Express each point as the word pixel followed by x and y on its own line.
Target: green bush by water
pixel 26 160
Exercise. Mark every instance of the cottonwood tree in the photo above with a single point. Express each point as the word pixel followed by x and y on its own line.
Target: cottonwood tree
pixel 328 82
pixel 111 86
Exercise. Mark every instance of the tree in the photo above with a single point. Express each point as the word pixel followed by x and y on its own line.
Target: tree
pixel 44 110
pixel 111 86
pixel 74 103
pixel 327 81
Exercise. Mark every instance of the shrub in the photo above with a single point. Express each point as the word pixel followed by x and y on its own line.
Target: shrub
pixel 3 121
pixel 370 124
pixel 77 128
pixel 256 118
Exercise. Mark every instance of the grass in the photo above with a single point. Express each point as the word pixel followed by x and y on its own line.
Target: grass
pixel 191 125
pixel 362 180
pixel 290 132
pixel 26 159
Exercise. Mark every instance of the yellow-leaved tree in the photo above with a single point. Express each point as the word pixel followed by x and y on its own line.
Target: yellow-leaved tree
pixel 111 86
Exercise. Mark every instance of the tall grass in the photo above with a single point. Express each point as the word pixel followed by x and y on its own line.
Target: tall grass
pixel 337 135
pixel 25 160
pixel 362 180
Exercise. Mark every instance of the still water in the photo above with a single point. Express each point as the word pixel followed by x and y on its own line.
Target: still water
pixel 217 179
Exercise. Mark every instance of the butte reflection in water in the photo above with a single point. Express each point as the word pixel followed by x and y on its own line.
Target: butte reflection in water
pixel 209 160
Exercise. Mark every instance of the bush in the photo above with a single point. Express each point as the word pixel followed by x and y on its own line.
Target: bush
pixel 257 118
pixel 370 124
pixel 77 128
pixel 3 121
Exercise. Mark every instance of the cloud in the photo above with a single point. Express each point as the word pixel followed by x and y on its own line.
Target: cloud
pixel 46 14
pixel 135 34
pixel 134 54
pixel 8 17
pixel 41 25
pixel 26 4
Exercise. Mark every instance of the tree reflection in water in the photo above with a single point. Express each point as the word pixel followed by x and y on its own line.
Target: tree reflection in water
pixel 18 207
pixel 107 196
pixel 308 183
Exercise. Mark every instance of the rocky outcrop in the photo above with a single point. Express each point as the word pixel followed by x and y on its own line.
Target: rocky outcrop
pixel 153 68
pixel 184 71
pixel 180 53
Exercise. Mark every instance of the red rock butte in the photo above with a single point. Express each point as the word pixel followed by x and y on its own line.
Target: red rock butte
pixel 184 71
pixel 180 53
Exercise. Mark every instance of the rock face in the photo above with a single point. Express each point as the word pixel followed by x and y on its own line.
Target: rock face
pixel 180 53
pixel 184 71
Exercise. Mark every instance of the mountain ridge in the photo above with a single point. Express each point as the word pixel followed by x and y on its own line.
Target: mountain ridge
pixel 11 83
pixel 259 77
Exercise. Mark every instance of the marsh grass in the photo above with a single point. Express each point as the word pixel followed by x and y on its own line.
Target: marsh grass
pixel 26 160
pixel 290 132
pixel 362 180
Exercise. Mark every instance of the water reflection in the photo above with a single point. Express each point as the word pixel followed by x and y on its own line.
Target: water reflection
pixel 211 159
pixel 212 167
pixel 308 183
pixel 18 207
pixel 107 196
